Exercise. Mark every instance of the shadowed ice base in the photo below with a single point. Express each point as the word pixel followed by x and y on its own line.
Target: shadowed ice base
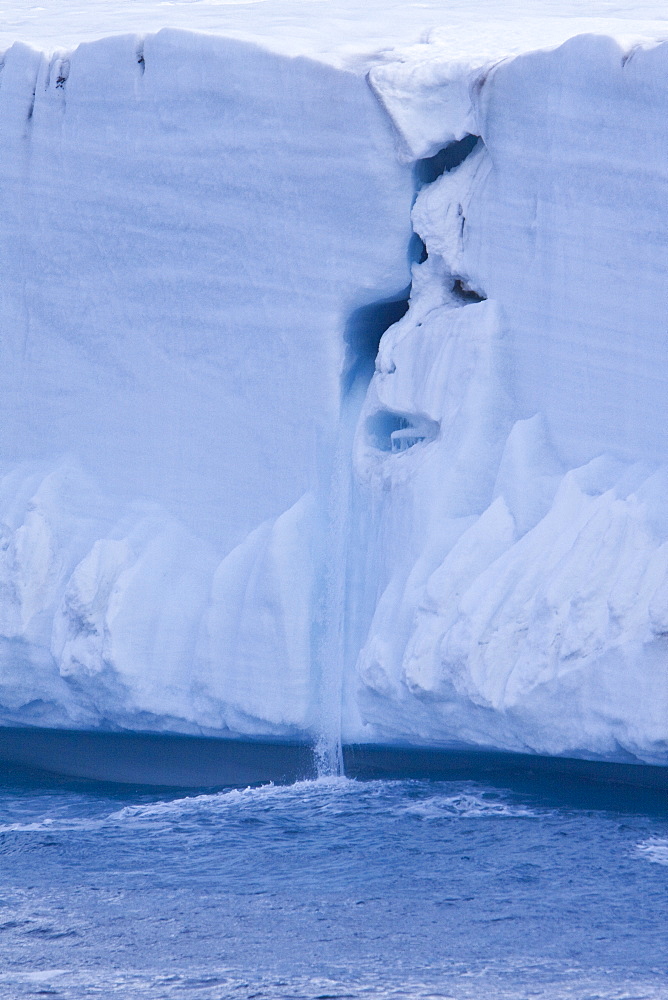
pixel 205 762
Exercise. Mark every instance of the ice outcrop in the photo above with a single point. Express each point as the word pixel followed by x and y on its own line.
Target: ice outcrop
pixel 524 606
pixel 202 244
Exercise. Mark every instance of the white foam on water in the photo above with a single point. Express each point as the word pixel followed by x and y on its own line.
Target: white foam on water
pixel 328 796
pixel 488 983
pixel 322 795
pixel 39 976
pixel 467 805
pixel 334 796
pixel 44 814
pixel 262 797
pixel 654 849
pixel 49 823
pixel 319 799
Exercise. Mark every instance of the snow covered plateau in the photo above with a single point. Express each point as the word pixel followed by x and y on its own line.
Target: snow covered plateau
pixel 333 372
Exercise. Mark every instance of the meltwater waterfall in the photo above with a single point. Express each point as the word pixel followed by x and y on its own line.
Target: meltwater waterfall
pixel 332 647
pixel 337 628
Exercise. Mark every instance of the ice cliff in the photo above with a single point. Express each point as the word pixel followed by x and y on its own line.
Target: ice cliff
pixel 332 395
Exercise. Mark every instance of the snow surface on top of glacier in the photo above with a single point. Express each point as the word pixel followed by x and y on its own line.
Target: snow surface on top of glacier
pixel 340 32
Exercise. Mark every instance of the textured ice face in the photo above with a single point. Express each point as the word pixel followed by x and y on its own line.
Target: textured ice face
pixel 187 225
pixel 524 607
pixel 202 244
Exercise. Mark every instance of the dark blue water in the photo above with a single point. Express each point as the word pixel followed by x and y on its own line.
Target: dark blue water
pixel 336 888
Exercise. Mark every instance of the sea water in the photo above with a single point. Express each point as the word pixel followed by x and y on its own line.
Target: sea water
pixel 333 888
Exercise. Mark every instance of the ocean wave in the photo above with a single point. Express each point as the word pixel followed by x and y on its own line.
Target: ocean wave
pixel 322 799
pixel 332 797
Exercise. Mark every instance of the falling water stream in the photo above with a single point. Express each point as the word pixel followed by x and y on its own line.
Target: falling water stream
pixel 333 653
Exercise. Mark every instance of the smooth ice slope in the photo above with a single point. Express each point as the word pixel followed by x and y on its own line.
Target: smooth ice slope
pixel 186 225
pixel 521 472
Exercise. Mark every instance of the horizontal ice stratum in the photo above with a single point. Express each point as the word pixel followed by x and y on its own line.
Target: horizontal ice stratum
pixel 333 377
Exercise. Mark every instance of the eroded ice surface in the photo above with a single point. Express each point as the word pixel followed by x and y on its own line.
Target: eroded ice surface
pixel 203 240
pixel 526 603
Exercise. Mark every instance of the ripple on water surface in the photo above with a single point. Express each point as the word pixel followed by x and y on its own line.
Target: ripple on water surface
pixel 331 888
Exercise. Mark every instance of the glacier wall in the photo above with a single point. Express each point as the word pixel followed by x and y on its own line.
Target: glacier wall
pixel 518 491
pixel 186 225
pixel 201 244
